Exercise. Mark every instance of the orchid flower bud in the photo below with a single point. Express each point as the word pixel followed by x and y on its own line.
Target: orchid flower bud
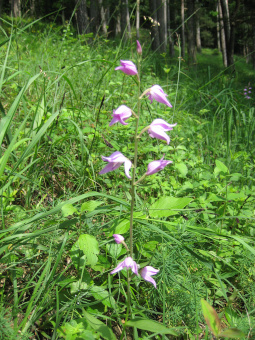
pixel 139 48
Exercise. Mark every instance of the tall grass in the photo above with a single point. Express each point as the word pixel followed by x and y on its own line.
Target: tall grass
pixel 57 96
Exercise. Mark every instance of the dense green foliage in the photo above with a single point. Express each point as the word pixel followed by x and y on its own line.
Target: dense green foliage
pixel 194 220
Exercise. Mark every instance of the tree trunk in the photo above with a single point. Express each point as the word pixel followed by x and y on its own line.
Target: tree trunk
pixel 103 16
pixel 32 8
pixel 226 23
pixel 191 33
pixel 94 16
pixel 117 25
pixel 169 31
pixel 125 21
pixel 82 17
pixel 229 27
pixel 198 36
pixel 15 8
pixel 137 19
pixel 1 9
pixel 154 26
pixel 183 30
pixel 218 27
pixel 222 36
pixel 253 43
pixel 162 20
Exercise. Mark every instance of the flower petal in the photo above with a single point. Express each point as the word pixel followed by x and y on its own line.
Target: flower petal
pixel 127 166
pixel 110 167
pixel 156 166
pixel 158 132
pixel 147 272
pixel 162 123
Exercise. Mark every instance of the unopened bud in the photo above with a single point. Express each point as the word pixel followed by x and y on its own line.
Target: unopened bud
pixel 139 48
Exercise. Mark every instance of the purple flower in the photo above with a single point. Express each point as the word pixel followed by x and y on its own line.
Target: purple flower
pixel 245 89
pixel 127 263
pixel 120 115
pixel 157 93
pixel 157 129
pixel 118 238
pixel 139 47
pixel 115 161
pixel 156 166
pixel 127 67
pixel 250 88
pixel 147 272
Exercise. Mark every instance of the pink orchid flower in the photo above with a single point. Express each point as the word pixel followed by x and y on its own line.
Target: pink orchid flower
pixel 128 263
pixel 127 67
pixel 157 93
pixel 156 166
pixel 147 272
pixel 157 129
pixel 121 114
pixel 115 161
pixel 118 238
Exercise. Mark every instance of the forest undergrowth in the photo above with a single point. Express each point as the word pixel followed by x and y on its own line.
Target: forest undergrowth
pixel 194 220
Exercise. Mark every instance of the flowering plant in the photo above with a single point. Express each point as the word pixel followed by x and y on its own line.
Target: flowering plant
pixel 157 129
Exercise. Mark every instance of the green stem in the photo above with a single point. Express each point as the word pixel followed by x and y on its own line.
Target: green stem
pixel 135 160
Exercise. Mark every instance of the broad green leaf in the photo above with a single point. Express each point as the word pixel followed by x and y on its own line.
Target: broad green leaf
pixel 99 326
pixel 211 317
pixel 182 168
pixel 68 210
pixel 91 205
pixel 103 296
pixel 122 227
pixel 150 326
pixel 114 249
pixel 167 206
pixel 232 333
pixel 77 286
pixel 89 245
pixel 220 167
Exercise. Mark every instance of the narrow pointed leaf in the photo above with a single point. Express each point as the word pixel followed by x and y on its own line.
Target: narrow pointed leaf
pixel 211 317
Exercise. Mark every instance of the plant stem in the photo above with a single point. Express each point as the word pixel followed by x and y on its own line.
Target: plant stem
pixel 135 158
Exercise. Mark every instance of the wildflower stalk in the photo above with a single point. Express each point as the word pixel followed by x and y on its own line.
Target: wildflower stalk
pixel 133 183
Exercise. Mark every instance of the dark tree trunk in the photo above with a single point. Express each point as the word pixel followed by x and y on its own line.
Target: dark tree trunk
pixel 169 32
pixel 222 36
pixel 154 26
pixel 82 17
pixel 94 16
pixel 218 27
pixel 183 30
pixel 162 20
pixel 1 9
pixel 253 42
pixel 32 8
pixel 125 21
pixel 191 32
